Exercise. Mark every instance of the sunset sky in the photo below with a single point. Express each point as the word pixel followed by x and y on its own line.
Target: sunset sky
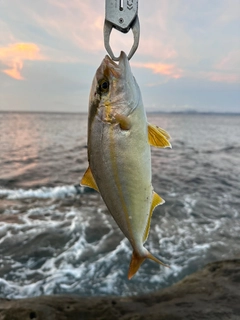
pixel 188 57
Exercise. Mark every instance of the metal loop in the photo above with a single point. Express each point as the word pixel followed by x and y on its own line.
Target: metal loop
pixel 136 35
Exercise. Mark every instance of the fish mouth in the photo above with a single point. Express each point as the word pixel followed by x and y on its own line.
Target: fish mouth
pixel 125 68
pixel 123 62
pixel 110 68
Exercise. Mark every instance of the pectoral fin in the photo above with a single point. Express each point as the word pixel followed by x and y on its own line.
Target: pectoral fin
pixel 158 137
pixel 124 122
pixel 88 180
pixel 156 201
pixel 164 132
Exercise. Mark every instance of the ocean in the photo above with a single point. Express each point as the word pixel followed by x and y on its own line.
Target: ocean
pixel 58 238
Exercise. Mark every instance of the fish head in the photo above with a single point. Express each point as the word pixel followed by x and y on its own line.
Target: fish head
pixel 114 90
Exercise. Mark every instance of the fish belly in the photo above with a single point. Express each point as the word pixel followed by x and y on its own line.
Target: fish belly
pixel 120 162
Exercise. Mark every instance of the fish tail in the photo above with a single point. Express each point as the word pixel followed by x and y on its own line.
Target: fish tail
pixel 151 257
pixel 135 263
pixel 137 260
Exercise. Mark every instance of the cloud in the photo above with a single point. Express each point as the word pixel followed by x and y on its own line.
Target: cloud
pixel 14 56
pixel 181 42
pixel 230 12
pixel 165 69
pixel 78 23
pixel 231 62
pixel 226 69
pixel 223 77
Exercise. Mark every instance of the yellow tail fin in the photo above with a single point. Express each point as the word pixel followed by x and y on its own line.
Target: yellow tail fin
pixel 137 260
pixel 135 263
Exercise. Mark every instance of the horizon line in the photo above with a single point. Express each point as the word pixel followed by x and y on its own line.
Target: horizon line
pixel 192 112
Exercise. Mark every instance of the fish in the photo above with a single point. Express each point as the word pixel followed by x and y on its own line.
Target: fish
pixel 119 154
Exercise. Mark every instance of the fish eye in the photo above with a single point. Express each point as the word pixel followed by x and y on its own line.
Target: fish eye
pixel 104 86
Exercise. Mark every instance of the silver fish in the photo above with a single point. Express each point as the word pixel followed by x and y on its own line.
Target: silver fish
pixel 119 155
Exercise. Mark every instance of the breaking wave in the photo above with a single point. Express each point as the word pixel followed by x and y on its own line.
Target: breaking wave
pixel 42 193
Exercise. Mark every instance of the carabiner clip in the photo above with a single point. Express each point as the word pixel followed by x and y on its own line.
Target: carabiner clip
pixel 123 18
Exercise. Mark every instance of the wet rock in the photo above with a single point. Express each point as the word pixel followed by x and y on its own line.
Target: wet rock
pixel 212 293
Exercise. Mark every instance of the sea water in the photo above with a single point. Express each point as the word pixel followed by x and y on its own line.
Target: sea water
pixel 57 237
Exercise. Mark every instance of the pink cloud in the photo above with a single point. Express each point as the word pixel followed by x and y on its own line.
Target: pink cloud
pixel 231 62
pixel 162 68
pixel 78 22
pixel 226 69
pixel 223 77
pixel 158 50
pixel 14 56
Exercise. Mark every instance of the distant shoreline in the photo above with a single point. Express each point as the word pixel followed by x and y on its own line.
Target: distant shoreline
pixel 148 112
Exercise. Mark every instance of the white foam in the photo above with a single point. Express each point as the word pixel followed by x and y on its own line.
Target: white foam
pixel 182 239
pixel 41 193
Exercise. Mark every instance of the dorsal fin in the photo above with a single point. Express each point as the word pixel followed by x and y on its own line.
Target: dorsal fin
pixel 88 180
pixel 158 137
pixel 156 201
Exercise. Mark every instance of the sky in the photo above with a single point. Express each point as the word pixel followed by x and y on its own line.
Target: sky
pixel 188 57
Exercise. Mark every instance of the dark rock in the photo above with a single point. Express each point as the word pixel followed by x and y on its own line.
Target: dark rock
pixel 212 293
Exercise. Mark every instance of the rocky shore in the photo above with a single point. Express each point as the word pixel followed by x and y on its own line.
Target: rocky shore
pixel 212 293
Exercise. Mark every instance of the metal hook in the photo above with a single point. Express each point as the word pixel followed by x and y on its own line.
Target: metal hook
pixel 136 35
pixel 121 15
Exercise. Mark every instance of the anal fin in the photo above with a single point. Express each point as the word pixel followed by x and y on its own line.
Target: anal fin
pixel 88 180
pixel 156 201
pixel 158 137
